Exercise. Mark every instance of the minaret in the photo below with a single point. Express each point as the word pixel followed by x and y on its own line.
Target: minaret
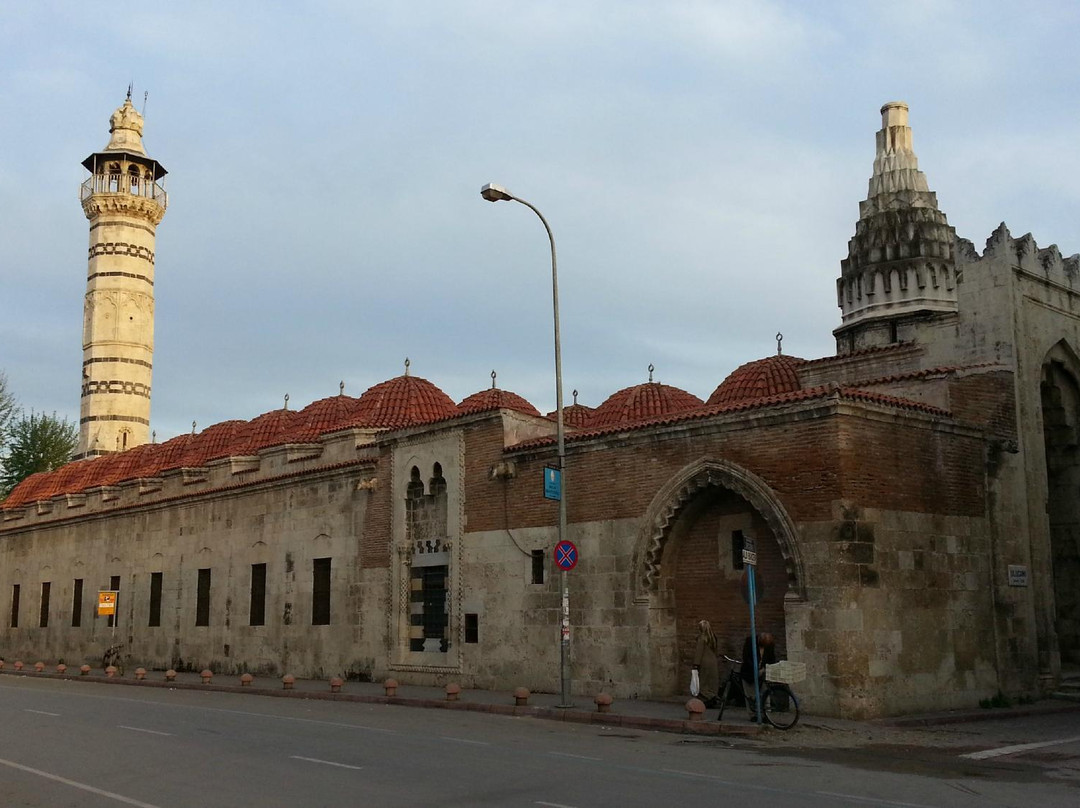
pixel 900 267
pixel 124 202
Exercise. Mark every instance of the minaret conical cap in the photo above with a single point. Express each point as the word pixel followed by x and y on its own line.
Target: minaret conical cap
pixel 897 180
pixel 125 129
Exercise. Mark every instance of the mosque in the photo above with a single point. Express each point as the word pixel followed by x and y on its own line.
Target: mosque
pixel 914 499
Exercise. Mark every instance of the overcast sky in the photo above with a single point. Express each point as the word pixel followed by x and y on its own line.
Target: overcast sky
pixel 700 163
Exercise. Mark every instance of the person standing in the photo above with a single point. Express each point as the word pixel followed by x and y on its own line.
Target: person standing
pixel 766 651
pixel 705 663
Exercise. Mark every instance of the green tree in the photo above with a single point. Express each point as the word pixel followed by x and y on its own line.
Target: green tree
pixel 7 410
pixel 35 442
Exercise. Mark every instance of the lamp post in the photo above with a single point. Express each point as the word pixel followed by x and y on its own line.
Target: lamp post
pixel 496 193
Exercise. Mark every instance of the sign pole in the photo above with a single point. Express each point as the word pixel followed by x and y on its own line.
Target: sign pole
pixel 566 558
pixel 753 644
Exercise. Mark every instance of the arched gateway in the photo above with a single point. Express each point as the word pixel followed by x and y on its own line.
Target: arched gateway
pixel 689 564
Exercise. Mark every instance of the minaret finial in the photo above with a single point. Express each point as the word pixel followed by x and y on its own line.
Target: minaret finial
pixel 131 86
pixel 575 398
pixel 407 363
pixel 286 402
pixel 341 388
pixel 493 380
pixel 779 339
pixel 651 369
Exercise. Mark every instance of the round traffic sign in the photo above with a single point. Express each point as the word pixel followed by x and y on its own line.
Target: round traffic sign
pixel 565 555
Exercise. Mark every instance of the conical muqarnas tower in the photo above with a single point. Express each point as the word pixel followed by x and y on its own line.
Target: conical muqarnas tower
pixel 124 202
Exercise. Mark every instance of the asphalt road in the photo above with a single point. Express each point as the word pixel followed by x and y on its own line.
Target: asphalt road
pixel 66 743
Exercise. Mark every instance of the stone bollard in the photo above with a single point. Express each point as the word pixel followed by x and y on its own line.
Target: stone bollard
pixel 695 710
pixel 603 703
pixel 39 667
pixel 246 679
pixel 1 664
pixel 18 665
pixel 206 675
pixel 453 691
pixel 390 686
pixel 61 668
pixel 111 671
pixel 287 681
pixel 335 685
pixel 521 696
pixel 84 670
pixel 170 675
pixel 140 673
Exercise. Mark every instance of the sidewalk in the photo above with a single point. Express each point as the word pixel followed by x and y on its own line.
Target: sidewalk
pixel 661 716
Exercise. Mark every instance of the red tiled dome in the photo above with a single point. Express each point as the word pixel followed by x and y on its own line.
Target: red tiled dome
pixel 765 377
pixel 403 401
pixel 642 401
pixel 495 399
pixel 269 429
pixel 212 443
pixel 576 415
pixel 164 456
pixel 26 491
pixel 324 415
pixel 64 480
pixel 111 469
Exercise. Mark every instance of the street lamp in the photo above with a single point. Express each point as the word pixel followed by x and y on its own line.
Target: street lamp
pixel 496 193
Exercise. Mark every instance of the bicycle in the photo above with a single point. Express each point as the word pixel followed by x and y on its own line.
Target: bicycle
pixel 112 656
pixel 778 703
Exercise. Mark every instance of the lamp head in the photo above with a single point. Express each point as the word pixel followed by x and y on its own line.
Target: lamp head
pixel 495 193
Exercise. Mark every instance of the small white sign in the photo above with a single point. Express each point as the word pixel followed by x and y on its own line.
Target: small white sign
pixel 1018 575
pixel 749 558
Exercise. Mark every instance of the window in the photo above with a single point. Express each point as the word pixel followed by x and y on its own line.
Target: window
pixel 202 603
pixel 257 612
pixel 155 599
pixel 43 617
pixel 114 585
pixel 429 610
pixel 537 566
pixel 737 545
pixel 76 604
pixel 320 592
pixel 472 628
pixel 15 606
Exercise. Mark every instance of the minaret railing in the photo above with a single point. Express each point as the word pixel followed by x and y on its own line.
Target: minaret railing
pixel 127 184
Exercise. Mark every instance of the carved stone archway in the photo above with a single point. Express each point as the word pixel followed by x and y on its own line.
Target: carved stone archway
pixel 674 496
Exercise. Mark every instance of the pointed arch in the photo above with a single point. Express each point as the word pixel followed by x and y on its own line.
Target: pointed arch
pixel 677 493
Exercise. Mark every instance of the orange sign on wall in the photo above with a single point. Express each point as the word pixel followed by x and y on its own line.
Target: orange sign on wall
pixel 106 603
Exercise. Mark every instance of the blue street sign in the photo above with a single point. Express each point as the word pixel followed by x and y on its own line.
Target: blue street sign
pixel 552 483
pixel 565 555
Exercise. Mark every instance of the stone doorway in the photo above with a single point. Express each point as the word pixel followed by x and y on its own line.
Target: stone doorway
pixel 1060 393
pixel 691 567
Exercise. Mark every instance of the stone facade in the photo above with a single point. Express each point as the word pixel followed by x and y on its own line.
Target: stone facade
pixel 913 499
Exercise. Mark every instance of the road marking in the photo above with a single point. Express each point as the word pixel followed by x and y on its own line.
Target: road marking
pixel 466 740
pixel 57 778
pixel 576 757
pixel 1020 747
pixel 150 731
pixel 553 804
pixel 40 712
pixel 326 762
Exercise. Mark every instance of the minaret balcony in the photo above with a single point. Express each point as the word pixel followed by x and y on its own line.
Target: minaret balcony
pixel 125 184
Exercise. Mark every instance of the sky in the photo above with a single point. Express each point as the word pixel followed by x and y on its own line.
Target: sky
pixel 700 164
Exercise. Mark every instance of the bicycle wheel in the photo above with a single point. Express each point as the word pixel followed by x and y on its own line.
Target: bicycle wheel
pixel 780 706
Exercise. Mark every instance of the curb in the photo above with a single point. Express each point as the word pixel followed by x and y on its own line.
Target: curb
pixel 990 714
pixel 673 725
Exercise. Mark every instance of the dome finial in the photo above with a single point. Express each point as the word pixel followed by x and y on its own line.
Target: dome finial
pixel 192 427
pixel 651 369
pixel 407 366
pixel 153 436
pixel 575 398
pixel 286 402
pixel 493 380
pixel 341 388
pixel 779 339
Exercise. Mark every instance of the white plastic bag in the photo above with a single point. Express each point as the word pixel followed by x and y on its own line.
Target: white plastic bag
pixel 695 683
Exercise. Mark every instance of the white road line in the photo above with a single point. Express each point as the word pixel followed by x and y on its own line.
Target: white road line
pixel 149 731
pixel 871 800
pixel 1020 747
pixel 326 762
pixel 465 740
pixel 553 804
pixel 40 712
pixel 73 784
pixel 576 757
